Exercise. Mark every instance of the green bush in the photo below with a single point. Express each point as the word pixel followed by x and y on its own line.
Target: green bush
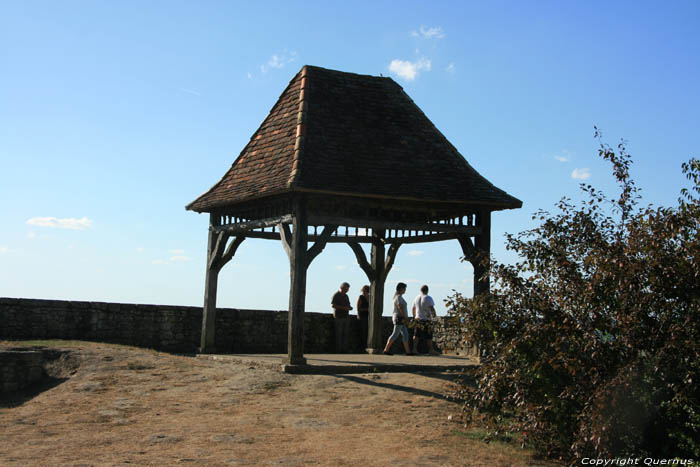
pixel 591 342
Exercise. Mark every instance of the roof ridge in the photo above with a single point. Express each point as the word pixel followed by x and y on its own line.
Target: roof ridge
pixel 294 173
pixel 321 69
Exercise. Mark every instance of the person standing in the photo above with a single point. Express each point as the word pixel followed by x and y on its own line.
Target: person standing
pixel 399 318
pixel 341 309
pixel 363 315
pixel 424 313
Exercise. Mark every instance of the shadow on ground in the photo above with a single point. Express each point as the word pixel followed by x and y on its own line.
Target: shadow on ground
pixel 396 387
pixel 58 366
pixel 18 398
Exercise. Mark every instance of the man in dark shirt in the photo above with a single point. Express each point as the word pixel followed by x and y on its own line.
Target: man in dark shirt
pixel 341 308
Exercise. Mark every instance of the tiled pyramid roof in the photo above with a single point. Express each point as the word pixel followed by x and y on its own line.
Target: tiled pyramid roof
pixel 343 133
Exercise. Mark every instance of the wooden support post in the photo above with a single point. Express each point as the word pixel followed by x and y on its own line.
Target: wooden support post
pixel 298 264
pixel 294 242
pixel 374 291
pixel 376 296
pixel 482 245
pixel 217 257
pixel 377 271
pixel 478 253
pixel 208 340
pixel 374 342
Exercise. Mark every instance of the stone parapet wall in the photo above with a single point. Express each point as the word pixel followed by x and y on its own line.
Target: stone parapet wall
pixel 178 328
pixel 162 327
pixel 448 336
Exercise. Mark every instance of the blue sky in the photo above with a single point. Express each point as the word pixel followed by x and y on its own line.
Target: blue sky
pixel 115 115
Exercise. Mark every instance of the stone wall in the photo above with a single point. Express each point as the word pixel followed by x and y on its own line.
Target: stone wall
pixel 19 369
pixel 448 336
pixel 159 327
pixel 175 328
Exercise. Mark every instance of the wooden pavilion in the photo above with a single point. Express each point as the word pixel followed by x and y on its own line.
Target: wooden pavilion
pixel 345 158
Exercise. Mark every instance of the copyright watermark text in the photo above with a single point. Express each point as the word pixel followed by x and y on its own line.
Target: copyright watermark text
pixel 622 461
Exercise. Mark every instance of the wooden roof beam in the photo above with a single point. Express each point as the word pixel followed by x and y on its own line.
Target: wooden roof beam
pixel 391 225
pixel 247 226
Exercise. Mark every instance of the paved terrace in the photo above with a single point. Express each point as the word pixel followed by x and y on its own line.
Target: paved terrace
pixel 354 363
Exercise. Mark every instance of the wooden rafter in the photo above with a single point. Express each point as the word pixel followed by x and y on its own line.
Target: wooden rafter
pixel 428 238
pixel 217 251
pixel 231 250
pixel 390 258
pixel 468 248
pixel 286 236
pixel 241 227
pixel 362 260
pixel 320 243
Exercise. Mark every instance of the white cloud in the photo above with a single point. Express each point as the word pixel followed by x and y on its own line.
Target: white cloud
pixel 180 258
pixel 67 223
pixel 190 91
pixel 340 267
pixel 450 68
pixel 429 33
pixel 562 156
pixel 172 259
pixel 250 75
pixel 409 70
pixel 140 249
pixel 275 62
pixel 3 250
pixel 278 61
pixel 176 252
pixel 581 174
pixel 415 252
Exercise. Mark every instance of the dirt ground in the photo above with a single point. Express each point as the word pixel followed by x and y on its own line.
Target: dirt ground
pixel 113 405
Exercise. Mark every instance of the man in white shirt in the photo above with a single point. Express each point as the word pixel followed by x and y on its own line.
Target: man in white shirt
pixel 424 312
